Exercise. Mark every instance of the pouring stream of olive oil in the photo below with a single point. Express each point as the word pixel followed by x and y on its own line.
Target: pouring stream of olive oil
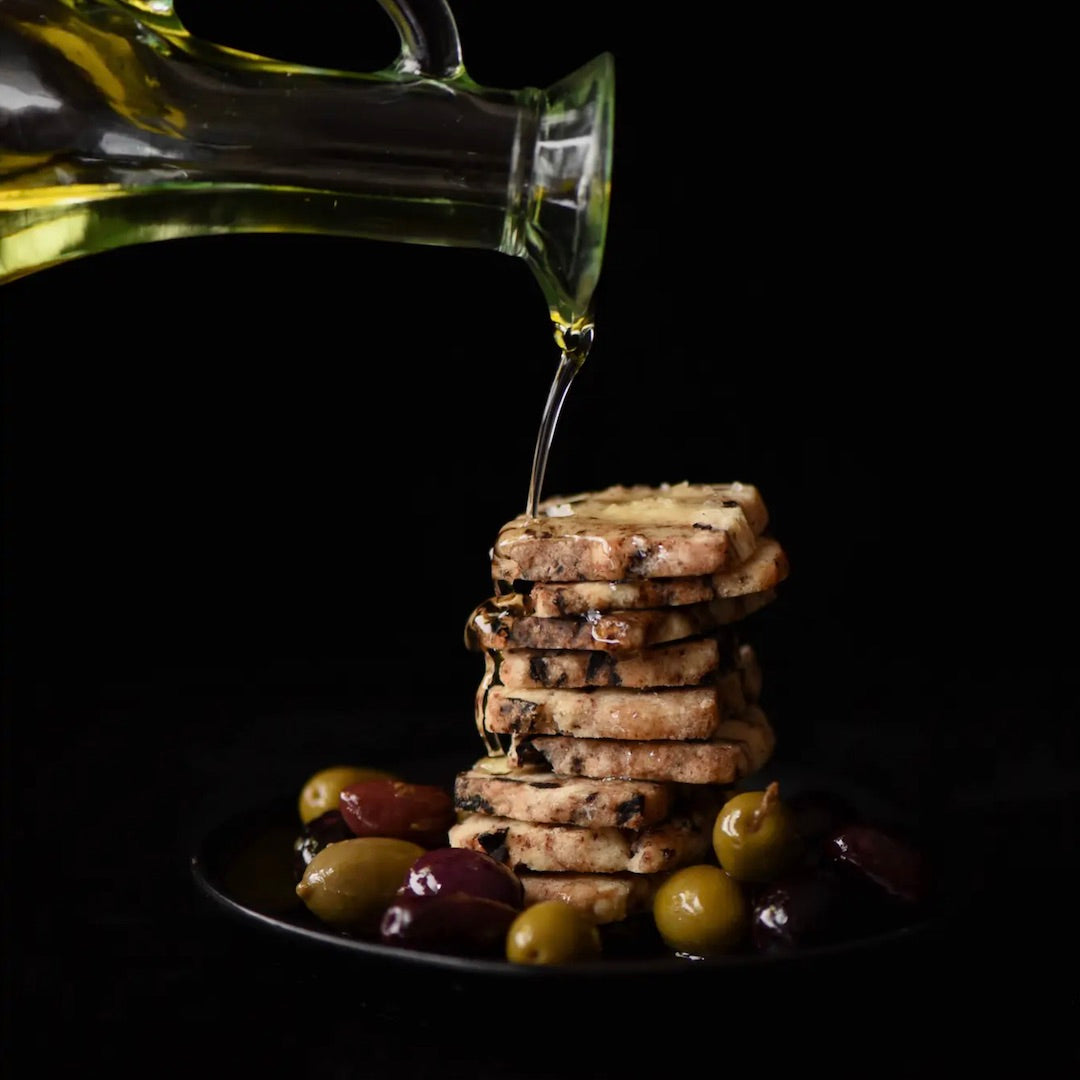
pixel 574 340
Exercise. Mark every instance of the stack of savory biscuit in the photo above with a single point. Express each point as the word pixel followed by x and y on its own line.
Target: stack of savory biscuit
pixel 616 669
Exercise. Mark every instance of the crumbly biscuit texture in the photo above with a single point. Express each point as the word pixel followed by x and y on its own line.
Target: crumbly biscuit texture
pixel 619 533
pixel 678 663
pixel 690 712
pixel 604 898
pixel 534 846
pixel 766 568
pixel 540 795
pixel 740 748
pixel 498 623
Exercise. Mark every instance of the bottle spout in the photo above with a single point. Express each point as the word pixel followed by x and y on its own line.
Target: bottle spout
pixel 564 215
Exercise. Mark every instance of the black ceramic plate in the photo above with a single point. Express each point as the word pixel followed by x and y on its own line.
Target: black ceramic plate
pixel 244 865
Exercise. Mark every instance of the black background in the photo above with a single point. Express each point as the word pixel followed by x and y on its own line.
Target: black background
pixel 822 277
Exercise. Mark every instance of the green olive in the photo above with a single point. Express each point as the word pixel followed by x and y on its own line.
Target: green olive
pixel 552 932
pixel 320 792
pixel 351 883
pixel 755 836
pixel 702 910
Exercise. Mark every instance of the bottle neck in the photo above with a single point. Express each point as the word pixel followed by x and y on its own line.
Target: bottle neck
pixel 111 109
pixel 181 140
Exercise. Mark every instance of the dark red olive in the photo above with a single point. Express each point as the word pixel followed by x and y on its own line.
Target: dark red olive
pixel 327 828
pixel 890 862
pixel 456 923
pixel 818 814
pixel 447 870
pixel 421 813
pixel 815 907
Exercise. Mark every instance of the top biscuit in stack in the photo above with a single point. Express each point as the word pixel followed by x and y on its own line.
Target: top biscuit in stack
pixel 628 533
pixel 612 659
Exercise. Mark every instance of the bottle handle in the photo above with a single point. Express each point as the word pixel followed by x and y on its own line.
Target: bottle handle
pixel 430 45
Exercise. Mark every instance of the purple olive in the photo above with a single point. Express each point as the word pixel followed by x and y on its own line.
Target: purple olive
pixel 815 907
pixel 893 864
pixel 454 923
pixel 447 870
pixel 327 828
pixel 819 813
